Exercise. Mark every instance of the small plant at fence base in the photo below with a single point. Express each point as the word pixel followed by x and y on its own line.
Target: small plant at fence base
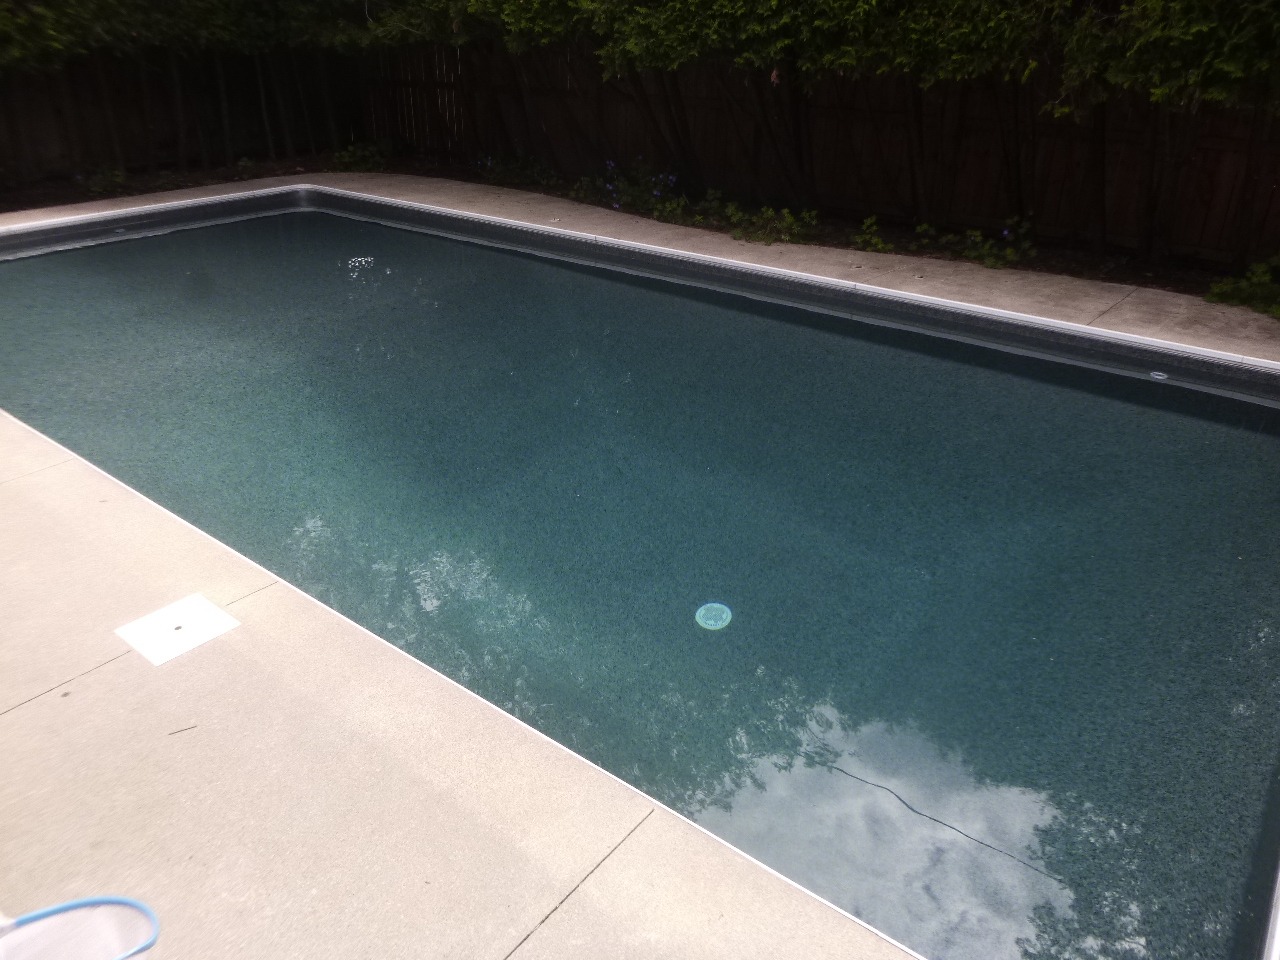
pixel 1011 246
pixel 868 238
pixel 636 190
pixel 767 225
pixel 1259 288
pixel 516 171
pixel 659 195
pixel 361 157
pixel 109 182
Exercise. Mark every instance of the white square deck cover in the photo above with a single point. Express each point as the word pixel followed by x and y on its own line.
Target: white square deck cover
pixel 177 628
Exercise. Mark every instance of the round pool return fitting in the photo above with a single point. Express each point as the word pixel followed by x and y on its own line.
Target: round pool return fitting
pixel 713 616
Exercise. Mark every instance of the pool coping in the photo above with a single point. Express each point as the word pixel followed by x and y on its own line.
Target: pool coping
pixel 1232 374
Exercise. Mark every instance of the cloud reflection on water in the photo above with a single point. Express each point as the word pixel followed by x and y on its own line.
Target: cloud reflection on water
pixel 872 815
pixel 865 851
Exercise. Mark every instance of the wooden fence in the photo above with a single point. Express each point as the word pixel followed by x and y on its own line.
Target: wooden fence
pixel 162 109
pixel 1127 175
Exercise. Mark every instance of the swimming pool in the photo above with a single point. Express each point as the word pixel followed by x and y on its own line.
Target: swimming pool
pixel 1001 659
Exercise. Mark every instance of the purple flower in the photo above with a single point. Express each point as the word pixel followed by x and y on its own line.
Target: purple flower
pixel 615 206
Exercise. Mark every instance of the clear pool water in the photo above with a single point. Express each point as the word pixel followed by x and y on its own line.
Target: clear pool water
pixel 1002 671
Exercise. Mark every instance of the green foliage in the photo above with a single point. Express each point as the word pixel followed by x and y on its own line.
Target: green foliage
pixel 767 225
pixel 972 245
pixel 926 238
pixel 42 35
pixel 1259 288
pixel 1012 245
pixel 936 40
pixel 1174 51
pixel 639 189
pixel 108 182
pixel 517 171
pixel 361 157
pixel 930 40
pixel 868 238
pixel 1179 52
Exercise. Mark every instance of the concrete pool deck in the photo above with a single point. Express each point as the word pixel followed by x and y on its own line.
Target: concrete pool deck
pixel 297 787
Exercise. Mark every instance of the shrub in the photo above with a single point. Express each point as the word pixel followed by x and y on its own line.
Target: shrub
pixel 637 189
pixel 107 182
pixel 767 225
pixel 1012 245
pixel 868 238
pixel 517 171
pixel 1259 288
pixel 641 190
pixel 361 158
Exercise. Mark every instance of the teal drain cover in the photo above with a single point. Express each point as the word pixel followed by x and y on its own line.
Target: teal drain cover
pixel 713 616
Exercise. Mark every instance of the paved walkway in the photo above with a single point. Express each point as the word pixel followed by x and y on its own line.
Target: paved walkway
pixel 299 788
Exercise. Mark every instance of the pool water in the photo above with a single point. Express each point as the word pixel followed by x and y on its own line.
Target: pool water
pixel 1002 676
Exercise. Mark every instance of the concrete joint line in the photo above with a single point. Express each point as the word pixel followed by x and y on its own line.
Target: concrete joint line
pixel 39 470
pixel 565 898
pixel 231 603
pixel 1132 291
pixel 63 683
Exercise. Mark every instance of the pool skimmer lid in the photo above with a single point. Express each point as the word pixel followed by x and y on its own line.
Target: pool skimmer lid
pixel 177 628
pixel 713 616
